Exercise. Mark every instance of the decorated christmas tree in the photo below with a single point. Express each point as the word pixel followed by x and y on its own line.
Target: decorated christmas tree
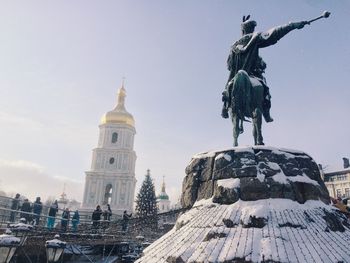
pixel 146 203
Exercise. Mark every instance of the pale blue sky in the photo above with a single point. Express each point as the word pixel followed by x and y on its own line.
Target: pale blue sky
pixel 61 63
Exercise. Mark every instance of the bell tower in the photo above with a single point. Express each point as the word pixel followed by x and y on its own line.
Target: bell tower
pixel 111 178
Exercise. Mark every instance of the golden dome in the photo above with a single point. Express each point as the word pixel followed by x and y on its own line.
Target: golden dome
pixel 119 113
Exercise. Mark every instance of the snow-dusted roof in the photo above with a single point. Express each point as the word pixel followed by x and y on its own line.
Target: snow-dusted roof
pixel 270 230
pixel 9 240
pixel 21 227
pixel 55 243
pixel 338 172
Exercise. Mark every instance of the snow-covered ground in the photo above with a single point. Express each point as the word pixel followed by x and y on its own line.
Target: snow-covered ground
pixel 269 230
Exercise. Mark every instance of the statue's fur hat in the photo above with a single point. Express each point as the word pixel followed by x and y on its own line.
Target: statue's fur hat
pixel 248 25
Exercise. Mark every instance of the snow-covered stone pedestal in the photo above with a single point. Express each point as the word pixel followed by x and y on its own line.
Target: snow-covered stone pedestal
pixel 254 204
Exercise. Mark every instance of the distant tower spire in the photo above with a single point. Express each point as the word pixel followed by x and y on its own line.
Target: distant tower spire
pixel 163 185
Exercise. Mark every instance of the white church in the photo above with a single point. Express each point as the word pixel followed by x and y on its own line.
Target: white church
pixel 111 179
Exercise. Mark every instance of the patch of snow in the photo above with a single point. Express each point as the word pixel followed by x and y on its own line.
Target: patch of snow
pixel 258 209
pixel 55 243
pixel 246 161
pixel 20 227
pixel 204 155
pixel 224 155
pixel 204 202
pixel 7 240
pixel 283 179
pixel 261 177
pixel 229 183
pixel 303 179
pixel 280 178
pixel 273 166
pixel 243 149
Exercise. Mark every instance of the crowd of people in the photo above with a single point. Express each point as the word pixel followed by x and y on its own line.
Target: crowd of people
pixel 32 213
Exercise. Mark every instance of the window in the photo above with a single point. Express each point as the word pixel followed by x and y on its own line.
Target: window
pixel 347 192
pixel 341 177
pixel 111 160
pixel 108 194
pixel 338 192
pixel 114 137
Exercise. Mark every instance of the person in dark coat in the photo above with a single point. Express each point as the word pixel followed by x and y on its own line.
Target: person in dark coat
pixel 65 220
pixel 96 217
pixel 14 206
pixel 75 220
pixel 37 208
pixel 125 220
pixel 26 208
pixel 107 213
pixel 52 214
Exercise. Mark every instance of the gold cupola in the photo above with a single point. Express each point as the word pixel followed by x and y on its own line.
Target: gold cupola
pixel 119 113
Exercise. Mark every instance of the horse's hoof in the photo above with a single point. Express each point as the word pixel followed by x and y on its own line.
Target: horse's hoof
pixel 269 119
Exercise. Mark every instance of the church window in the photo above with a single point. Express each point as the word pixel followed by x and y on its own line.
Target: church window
pixel 111 160
pixel 114 137
pixel 338 192
pixel 108 194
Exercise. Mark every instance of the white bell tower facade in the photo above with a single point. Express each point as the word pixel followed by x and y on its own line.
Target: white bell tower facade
pixel 111 179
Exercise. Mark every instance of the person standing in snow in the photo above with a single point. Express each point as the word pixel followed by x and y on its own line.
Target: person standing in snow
pixel 52 214
pixel 96 216
pixel 26 209
pixel 14 206
pixel 125 220
pixel 65 220
pixel 37 208
pixel 75 221
pixel 107 213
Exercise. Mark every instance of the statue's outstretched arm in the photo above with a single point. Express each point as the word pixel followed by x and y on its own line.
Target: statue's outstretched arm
pixel 271 36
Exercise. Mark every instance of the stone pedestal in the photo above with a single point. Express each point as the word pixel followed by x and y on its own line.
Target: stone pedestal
pixel 254 204
pixel 256 173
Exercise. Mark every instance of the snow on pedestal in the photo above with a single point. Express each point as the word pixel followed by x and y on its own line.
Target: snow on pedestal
pixel 254 204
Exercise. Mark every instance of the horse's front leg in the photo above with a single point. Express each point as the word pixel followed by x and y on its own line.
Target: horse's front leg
pixel 257 122
pixel 236 130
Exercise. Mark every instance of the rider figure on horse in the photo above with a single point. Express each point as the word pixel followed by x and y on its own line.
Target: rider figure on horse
pixel 244 56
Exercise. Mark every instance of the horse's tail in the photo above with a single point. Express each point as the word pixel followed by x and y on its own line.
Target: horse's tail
pixel 241 95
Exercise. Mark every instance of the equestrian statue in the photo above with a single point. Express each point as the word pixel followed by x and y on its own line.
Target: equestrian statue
pixel 246 95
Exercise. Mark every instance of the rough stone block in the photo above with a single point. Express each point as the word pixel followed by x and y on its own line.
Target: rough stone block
pixel 252 189
pixel 223 195
pixel 205 190
pixel 202 166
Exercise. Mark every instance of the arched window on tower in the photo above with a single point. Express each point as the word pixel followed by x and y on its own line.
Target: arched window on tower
pixel 114 137
pixel 108 194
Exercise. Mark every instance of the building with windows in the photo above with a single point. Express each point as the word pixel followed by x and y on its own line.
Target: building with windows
pixel 111 179
pixel 338 182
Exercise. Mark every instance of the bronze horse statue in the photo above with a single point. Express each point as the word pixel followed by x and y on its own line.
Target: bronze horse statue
pixel 245 98
pixel 246 94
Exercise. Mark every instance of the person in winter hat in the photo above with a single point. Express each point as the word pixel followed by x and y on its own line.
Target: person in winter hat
pixel 52 215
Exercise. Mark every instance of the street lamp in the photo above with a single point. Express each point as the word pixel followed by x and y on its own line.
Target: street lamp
pixel 8 246
pixel 54 249
pixel 21 230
